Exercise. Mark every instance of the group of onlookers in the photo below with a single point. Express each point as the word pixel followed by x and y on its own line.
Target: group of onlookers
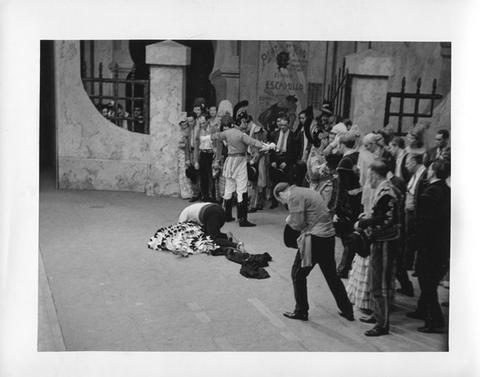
pixel 115 112
pixel 388 198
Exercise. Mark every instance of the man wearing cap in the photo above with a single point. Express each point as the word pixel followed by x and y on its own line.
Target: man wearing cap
pixel 310 216
pixel 235 168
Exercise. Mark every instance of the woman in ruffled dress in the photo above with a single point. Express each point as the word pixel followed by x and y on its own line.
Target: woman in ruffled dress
pixel 183 156
pixel 358 286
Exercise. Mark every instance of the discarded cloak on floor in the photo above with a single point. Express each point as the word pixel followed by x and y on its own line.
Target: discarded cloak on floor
pixel 252 264
pixel 186 238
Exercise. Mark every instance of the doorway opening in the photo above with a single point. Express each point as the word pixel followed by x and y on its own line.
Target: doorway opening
pixel 48 143
pixel 197 73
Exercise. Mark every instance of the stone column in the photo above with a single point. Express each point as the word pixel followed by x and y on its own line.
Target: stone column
pixel 370 71
pixel 167 62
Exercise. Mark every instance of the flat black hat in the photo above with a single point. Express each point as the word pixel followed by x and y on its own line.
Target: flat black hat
pixel 327 108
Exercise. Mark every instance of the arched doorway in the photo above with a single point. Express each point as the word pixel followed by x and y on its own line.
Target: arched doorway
pixel 197 73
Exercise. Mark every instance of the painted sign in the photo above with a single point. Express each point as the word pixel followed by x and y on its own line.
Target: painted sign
pixel 282 79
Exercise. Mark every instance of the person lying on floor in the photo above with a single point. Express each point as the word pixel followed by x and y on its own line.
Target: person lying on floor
pixel 212 218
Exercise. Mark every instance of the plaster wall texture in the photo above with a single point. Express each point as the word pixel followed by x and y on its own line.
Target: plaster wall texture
pixel 414 60
pixel 368 103
pixel 93 153
pixel 370 70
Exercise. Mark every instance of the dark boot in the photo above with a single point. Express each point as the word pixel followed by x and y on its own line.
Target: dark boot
pixel 242 213
pixel 228 210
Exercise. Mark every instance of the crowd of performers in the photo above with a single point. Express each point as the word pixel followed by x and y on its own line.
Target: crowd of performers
pixel 387 198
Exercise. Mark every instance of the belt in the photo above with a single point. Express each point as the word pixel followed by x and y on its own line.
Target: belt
pixel 355 191
pixel 202 210
pixel 206 150
pixel 236 154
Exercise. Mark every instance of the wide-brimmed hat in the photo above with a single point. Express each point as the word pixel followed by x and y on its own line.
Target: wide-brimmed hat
pixel 290 236
pixel 327 108
pixel 252 172
pixel 359 243
pixel 191 174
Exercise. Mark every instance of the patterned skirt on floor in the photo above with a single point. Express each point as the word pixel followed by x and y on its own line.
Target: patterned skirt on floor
pixel 358 288
pixel 182 239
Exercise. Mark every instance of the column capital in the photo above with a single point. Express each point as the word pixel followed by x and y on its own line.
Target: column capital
pixel 168 53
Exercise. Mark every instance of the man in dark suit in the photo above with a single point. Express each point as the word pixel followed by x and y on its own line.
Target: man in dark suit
pixel 415 188
pixel 441 149
pixel 397 149
pixel 433 258
pixel 284 157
